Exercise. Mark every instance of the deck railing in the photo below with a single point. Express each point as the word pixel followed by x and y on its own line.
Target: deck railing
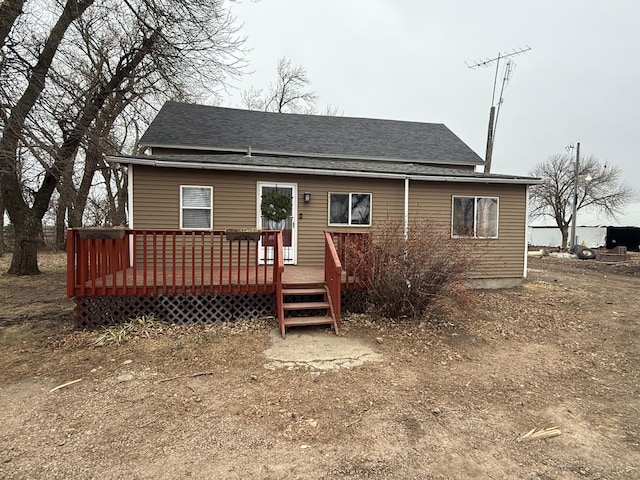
pixel 332 275
pixel 171 262
pixel 354 252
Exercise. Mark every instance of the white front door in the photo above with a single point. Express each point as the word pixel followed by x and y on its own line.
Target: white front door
pixel 288 225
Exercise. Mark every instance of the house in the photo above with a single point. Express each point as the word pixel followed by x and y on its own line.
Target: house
pixel 207 170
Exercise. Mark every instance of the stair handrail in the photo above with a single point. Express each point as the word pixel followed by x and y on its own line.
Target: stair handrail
pixel 332 275
pixel 278 270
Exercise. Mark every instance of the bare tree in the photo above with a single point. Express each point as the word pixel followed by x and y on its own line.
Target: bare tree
pixel 26 219
pixel 288 94
pixel 10 10
pixel 600 189
pixel 183 47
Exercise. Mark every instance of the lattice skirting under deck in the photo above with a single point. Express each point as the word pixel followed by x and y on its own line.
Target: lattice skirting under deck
pixel 94 312
pixel 354 301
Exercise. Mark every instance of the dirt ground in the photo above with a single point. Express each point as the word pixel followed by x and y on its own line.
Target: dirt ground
pixel 447 401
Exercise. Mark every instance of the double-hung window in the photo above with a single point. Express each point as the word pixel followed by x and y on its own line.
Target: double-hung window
pixel 352 209
pixel 474 217
pixel 196 210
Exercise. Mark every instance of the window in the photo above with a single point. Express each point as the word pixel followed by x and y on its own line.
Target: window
pixel 350 209
pixel 195 207
pixel 475 217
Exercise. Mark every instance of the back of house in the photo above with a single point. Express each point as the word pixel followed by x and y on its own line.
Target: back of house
pixel 209 168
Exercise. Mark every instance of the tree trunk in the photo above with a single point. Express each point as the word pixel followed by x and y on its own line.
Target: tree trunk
pixel 61 231
pixel 117 201
pixel 9 11
pixel 25 254
pixel 2 246
pixel 121 205
pixel 564 229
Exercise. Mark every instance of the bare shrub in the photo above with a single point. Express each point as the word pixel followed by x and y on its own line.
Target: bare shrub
pixel 424 273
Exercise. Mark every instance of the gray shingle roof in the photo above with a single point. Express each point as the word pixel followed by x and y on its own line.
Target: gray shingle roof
pixel 226 129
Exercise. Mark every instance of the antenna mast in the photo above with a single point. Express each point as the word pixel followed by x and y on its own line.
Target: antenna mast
pixel 493 112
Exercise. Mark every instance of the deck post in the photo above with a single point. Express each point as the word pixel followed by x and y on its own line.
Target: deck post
pixel 278 269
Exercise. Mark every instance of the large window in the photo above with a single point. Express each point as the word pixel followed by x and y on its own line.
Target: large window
pixel 350 209
pixel 196 210
pixel 475 217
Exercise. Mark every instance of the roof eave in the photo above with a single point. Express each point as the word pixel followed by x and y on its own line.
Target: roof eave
pixel 315 171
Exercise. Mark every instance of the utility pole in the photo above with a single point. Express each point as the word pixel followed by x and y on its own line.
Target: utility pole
pixel 493 111
pixel 574 213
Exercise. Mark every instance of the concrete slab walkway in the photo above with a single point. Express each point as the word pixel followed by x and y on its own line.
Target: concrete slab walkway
pixel 316 349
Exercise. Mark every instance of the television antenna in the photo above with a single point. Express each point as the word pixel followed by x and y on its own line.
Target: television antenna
pixel 494 112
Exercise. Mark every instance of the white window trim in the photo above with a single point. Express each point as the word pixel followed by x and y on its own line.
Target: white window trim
pixel 475 216
pixel 349 224
pixel 182 207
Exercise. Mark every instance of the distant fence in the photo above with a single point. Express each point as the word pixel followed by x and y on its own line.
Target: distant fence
pixel 592 237
pixel 47 238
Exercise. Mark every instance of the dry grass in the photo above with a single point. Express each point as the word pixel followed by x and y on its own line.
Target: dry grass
pixel 42 297
pixel 447 401
pixel 49 262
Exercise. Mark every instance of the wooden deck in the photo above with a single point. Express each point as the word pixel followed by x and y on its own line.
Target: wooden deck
pixel 109 273
pixel 203 280
pixel 170 262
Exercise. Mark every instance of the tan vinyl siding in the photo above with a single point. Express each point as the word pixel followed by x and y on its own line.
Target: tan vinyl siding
pixel 386 201
pixel 502 257
pixel 157 202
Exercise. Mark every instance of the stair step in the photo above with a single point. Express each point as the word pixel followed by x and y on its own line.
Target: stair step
pixel 300 321
pixel 305 305
pixel 303 291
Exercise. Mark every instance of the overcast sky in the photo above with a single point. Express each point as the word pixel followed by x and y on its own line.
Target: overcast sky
pixel 405 60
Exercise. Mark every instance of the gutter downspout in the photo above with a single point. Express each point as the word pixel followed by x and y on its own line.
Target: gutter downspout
pixel 130 210
pixel 406 208
pixel 526 232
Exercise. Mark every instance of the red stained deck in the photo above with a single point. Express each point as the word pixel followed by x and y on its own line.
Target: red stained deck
pixel 177 262
pixel 139 263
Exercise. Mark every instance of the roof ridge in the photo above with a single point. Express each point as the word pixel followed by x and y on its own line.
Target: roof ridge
pixel 312 115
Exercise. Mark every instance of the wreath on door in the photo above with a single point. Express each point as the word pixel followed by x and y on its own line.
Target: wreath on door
pixel 275 206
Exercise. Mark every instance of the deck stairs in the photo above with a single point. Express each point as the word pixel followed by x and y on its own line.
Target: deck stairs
pixel 306 304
